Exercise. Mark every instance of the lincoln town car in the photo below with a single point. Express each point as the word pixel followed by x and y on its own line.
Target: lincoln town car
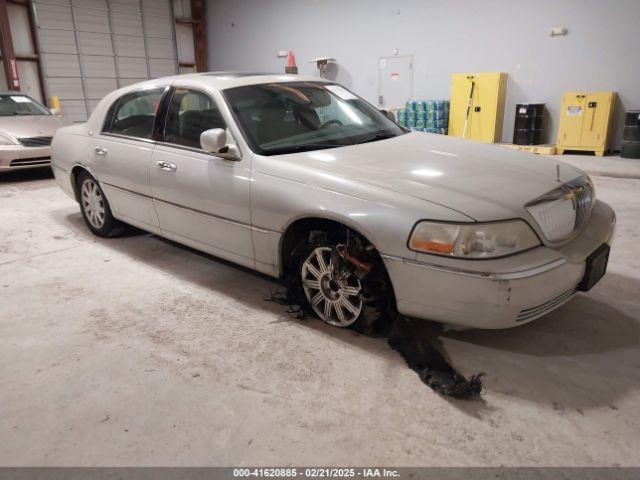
pixel 301 179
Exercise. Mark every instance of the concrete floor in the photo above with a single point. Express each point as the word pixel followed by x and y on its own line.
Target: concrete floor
pixel 135 351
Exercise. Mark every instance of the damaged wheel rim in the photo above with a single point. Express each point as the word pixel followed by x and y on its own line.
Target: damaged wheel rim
pixel 334 295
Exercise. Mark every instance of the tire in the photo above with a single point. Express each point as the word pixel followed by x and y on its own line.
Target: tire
pixel 95 208
pixel 343 296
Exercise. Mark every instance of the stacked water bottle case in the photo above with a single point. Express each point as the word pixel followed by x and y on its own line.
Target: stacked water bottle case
pixel 425 116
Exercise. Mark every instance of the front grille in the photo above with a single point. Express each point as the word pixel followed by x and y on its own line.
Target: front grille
pixel 35 141
pixel 23 162
pixel 544 308
pixel 561 212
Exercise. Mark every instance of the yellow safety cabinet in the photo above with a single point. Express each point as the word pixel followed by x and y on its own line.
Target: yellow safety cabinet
pixel 584 122
pixel 476 111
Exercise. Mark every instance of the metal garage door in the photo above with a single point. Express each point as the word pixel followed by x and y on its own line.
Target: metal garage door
pixel 91 47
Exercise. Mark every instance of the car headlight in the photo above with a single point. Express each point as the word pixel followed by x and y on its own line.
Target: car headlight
pixel 473 240
pixel 5 140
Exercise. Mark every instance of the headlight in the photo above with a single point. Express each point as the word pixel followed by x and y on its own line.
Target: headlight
pixel 473 240
pixel 5 140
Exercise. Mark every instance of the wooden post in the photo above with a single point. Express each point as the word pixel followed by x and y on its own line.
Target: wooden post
pixel 36 49
pixel 6 47
pixel 199 22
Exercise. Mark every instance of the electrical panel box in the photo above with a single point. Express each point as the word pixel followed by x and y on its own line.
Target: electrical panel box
pixel 584 121
pixel 485 93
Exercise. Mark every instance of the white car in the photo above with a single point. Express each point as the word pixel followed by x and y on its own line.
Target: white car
pixel 301 179
pixel 26 129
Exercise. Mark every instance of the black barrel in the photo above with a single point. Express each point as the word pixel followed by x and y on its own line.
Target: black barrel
pixel 528 127
pixel 631 135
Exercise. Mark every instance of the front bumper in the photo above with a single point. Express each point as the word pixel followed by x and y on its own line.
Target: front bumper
pixel 16 157
pixel 499 293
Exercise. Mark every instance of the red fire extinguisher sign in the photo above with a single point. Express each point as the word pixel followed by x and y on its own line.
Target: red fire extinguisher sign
pixel 14 74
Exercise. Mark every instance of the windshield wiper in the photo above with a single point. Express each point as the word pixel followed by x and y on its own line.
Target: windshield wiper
pixel 302 147
pixel 378 136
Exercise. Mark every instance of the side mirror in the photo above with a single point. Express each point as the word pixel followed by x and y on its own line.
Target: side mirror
pixel 389 114
pixel 215 141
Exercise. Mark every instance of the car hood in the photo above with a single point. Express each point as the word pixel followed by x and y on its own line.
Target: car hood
pixel 20 126
pixel 484 182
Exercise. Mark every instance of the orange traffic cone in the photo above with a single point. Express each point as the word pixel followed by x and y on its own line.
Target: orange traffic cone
pixel 291 64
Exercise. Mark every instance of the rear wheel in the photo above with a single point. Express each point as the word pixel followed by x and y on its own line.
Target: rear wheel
pixel 95 208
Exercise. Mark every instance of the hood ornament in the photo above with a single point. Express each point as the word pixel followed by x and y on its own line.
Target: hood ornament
pixel 558 173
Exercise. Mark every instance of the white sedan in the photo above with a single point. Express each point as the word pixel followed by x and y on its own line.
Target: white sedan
pixel 26 129
pixel 301 179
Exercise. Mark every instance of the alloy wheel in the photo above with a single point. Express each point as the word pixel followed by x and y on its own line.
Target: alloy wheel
pixel 333 294
pixel 93 203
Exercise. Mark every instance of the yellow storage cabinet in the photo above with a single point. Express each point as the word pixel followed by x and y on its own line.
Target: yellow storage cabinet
pixel 487 92
pixel 584 122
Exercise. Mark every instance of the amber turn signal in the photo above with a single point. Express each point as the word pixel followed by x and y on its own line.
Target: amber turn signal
pixel 430 246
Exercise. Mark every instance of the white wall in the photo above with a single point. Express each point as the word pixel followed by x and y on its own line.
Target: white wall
pixel 600 53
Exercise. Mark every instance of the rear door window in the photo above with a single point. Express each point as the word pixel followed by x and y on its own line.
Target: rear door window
pixel 134 114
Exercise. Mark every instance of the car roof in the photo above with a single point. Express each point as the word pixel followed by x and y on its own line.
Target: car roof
pixel 225 80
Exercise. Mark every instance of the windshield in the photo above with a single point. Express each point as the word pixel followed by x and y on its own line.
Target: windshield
pixel 20 105
pixel 279 118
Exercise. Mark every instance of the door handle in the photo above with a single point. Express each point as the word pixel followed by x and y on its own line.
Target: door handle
pixel 167 166
pixel 100 150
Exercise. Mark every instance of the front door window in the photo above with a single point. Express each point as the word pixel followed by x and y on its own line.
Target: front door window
pixel 191 113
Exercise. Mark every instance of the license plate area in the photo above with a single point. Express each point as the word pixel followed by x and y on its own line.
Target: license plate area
pixel 596 267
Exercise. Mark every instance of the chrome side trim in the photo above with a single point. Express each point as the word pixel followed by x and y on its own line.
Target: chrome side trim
pixel 531 272
pixel 192 210
pixel 211 215
pixel 126 190
pixel 128 137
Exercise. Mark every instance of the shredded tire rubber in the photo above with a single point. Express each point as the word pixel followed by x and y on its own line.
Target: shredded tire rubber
pixel 416 347
pixel 422 356
pixel 282 296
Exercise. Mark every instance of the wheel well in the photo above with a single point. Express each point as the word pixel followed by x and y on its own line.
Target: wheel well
pixel 300 230
pixel 75 173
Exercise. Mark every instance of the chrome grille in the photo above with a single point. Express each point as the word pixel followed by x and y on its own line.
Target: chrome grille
pixel 24 162
pixel 564 210
pixel 35 141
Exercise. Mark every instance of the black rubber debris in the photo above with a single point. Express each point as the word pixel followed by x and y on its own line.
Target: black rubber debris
pixel 417 346
pixel 422 356
pixel 284 296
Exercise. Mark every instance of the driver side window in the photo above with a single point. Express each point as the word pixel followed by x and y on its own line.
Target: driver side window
pixel 191 113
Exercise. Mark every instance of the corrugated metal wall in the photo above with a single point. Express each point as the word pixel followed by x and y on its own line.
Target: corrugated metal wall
pixel 91 47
